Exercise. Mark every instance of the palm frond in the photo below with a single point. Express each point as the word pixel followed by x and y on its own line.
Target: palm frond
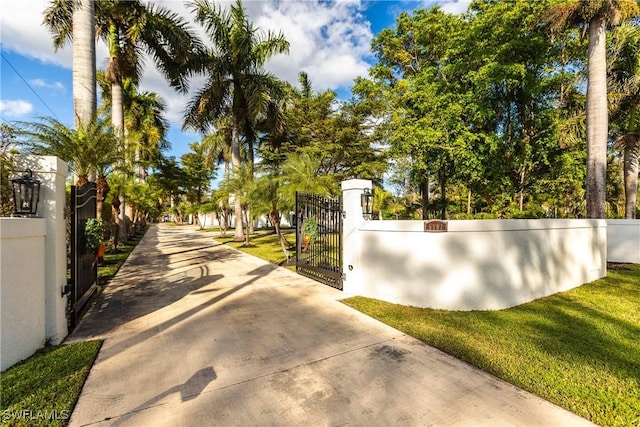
pixel 58 18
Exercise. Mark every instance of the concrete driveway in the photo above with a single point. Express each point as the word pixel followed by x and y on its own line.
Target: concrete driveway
pixel 198 334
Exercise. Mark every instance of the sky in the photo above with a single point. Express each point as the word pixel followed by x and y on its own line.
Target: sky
pixel 330 40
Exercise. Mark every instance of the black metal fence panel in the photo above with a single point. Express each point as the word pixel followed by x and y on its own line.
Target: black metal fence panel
pixel 84 268
pixel 319 238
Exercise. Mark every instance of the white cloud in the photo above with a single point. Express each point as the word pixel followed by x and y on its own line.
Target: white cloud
pixel 329 40
pixel 43 83
pixel 15 108
pixel 454 7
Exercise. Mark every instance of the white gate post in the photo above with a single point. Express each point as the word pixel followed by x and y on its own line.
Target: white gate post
pixel 351 242
pixel 52 172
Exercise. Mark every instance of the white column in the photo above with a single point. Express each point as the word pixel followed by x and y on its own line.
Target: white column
pixel 52 172
pixel 351 244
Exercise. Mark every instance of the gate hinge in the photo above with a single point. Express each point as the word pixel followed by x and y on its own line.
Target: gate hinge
pixel 67 290
pixel 344 214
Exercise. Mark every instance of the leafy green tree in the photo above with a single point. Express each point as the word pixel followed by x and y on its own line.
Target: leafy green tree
pixel 145 123
pixel 593 17
pixel 624 81
pixel 320 126
pixel 519 94
pixel 145 136
pixel 170 177
pixel 198 173
pixel 483 107
pixel 427 129
pixel 144 118
pixel 236 82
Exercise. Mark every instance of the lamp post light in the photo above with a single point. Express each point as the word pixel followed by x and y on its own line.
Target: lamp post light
pixel 26 194
pixel 366 201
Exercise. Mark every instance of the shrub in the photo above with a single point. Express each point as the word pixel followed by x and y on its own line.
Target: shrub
pixel 94 233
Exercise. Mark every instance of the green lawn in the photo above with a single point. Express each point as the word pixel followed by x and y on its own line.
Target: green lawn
pixel 112 260
pixel 43 389
pixel 263 245
pixel 579 349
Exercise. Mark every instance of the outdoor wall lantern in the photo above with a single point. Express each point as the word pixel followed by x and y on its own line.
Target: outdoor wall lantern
pixel 366 201
pixel 26 193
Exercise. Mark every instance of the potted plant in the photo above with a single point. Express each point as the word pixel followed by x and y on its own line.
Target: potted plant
pixel 309 232
pixel 93 234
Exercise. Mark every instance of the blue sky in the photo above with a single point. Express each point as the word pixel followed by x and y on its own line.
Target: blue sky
pixel 330 40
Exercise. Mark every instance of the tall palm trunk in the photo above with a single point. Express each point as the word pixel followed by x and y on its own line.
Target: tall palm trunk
pixel 250 154
pixel 84 65
pixel 274 216
pixel 117 119
pixel 597 119
pixel 102 189
pixel 630 159
pixel 235 163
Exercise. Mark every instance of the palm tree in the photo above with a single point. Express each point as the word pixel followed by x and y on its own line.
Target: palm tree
pixel 88 148
pixel 242 186
pixel 236 83
pixel 69 20
pixel 217 145
pixel 594 16
pixel 624 81
pixel 130 29
pixel 84 62
pixel 147 128
pixel 144 120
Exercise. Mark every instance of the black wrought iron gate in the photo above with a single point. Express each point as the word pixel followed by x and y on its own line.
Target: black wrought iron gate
pixel 319 238
pixel 84 269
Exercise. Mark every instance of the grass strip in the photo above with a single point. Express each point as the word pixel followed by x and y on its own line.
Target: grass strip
pixel 109 265
pixel 264 245
pixel 43 389
pixel 113 260
pixel 578 349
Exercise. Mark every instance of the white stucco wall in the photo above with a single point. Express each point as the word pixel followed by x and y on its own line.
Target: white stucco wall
pixel 210 220
pixel 52 172
pixel 22 288
pixel 623 240
pixel 475 265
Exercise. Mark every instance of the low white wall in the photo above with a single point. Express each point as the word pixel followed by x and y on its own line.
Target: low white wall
pixel 210 220
pixel 476 264
pixel 623 240
pixel 22 288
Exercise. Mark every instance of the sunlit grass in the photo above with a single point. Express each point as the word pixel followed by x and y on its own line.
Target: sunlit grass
pixel 579 349
pixel 43 389
pixel 264 245
pixel 113 260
